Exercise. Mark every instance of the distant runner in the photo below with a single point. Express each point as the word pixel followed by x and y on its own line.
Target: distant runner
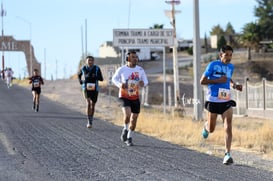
pixel 36 81
pixel 9 76
pixel 90 86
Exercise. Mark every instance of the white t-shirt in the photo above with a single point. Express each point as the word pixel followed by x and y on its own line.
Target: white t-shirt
pixel 131 77
pixel 9 73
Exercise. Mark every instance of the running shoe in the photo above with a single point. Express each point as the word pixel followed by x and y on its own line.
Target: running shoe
pixel 37 108
pixel 89 124
pixel 123 136
pixel 227 159
pixel 129 142
pixel 205 133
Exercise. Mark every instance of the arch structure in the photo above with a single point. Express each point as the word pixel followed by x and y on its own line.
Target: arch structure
pixel 8 43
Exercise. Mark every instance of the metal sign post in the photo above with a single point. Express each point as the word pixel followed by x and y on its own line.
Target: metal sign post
pixel 171 15
pixel 109 82
pixel 164 81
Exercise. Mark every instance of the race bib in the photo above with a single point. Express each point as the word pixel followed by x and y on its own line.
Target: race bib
pixel 132 87
pixel 224 94
pixel 36 84
pixel 90 86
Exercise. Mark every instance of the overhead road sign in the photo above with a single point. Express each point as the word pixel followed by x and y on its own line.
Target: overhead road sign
pixel 143 37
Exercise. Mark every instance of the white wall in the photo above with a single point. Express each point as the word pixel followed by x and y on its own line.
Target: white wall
pixel 107 51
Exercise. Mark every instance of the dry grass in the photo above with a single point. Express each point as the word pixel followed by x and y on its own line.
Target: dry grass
pixel 256 135
pixel 23 82
pixel 249 134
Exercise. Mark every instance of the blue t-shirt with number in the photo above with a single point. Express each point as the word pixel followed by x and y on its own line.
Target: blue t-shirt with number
pixel 215 70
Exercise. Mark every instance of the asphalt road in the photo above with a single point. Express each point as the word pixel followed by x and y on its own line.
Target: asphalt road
pixel 54 144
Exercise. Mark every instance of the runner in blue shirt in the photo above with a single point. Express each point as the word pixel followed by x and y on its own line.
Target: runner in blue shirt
pixel 90 86
pixel 218 78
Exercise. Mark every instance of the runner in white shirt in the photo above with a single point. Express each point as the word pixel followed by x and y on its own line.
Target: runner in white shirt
pixel 129 78
pixel 9 75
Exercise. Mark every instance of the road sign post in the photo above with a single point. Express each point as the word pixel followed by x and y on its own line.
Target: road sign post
pixel 175 58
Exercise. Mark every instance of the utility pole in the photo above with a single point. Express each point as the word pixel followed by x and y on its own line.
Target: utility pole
pixel 30 51
pixel 197 64
pixel 3 13
pixel 56 69
pixel 85 37
pixel 83 54
pixel 64 77
pixel 175 58
pixel 44 63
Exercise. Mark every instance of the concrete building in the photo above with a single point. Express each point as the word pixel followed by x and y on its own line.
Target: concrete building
pixel 107 50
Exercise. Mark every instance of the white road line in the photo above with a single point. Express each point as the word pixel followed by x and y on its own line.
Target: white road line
pixel 6 144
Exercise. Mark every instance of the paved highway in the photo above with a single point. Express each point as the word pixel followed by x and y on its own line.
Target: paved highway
pixel 54 144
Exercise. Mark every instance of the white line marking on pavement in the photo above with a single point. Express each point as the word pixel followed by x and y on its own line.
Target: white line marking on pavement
pixel 6 143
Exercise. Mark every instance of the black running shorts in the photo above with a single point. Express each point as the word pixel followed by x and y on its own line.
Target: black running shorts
pixel 36 89
pixel 93 95
pixel 219 107
pixel 133 104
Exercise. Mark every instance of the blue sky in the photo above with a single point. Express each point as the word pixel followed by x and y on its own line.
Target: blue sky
pixel 54 26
